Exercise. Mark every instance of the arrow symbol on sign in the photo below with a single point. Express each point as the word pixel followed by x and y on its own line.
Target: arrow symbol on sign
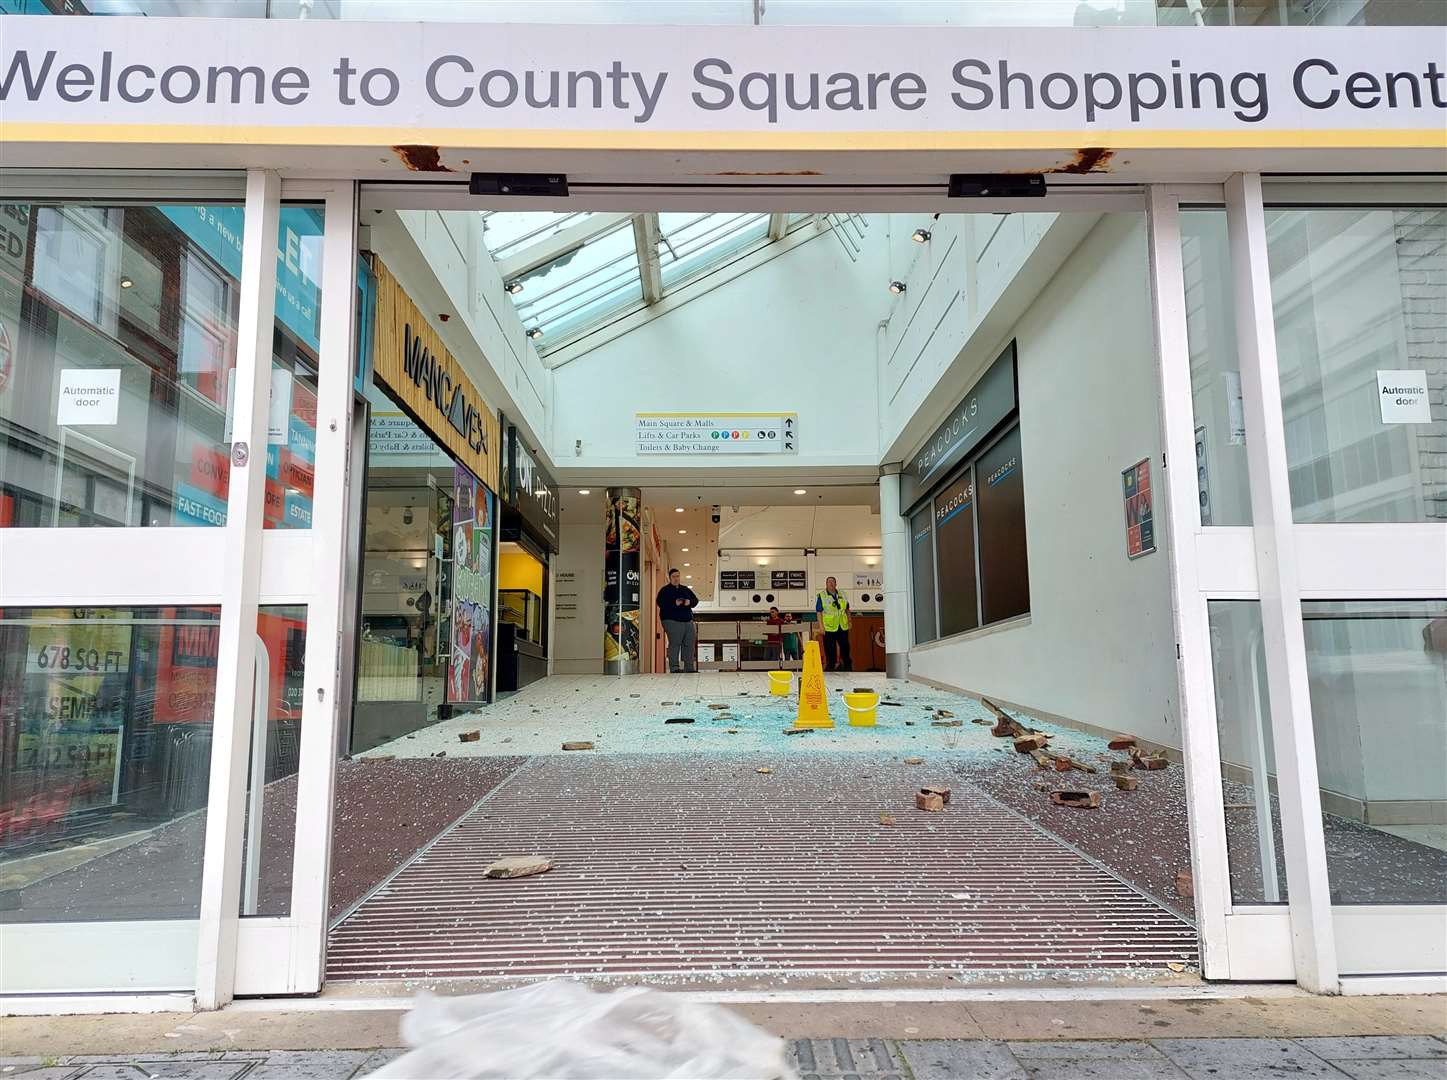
pixel 788 446
pixel 788 421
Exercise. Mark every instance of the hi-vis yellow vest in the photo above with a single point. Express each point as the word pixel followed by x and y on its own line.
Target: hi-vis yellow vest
pixel 835 615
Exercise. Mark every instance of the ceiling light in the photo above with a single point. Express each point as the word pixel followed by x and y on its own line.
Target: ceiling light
pixel 515 287
pixel 682 532
pixel 897 287
pixel 685 551
pixel 584 491
pixel 689 576
pixel 678 509
pixel 763 562
pixel 801 491
pixel 126 283
pixel 536 332
pixel 687 564
pixel 920 236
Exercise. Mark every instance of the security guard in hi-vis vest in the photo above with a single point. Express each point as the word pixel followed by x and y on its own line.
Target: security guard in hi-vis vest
pixel 833 610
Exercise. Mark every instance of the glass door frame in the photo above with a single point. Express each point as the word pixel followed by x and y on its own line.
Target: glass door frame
pixel 237 567
pixel 1277 563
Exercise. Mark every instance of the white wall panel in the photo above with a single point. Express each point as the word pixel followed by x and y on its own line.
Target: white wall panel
pixel 1098 647
pixel 796 334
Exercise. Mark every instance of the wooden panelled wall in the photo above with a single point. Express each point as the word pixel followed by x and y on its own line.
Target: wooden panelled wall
pixel 431 385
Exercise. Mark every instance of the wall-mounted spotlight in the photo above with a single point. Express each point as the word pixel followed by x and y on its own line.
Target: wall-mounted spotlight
pixel 920 236
pixel 535 332
pixel 515 287
pixel 126 283
pixel 897 287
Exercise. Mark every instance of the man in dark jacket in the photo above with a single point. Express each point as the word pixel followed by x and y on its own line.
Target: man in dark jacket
pixel 676 602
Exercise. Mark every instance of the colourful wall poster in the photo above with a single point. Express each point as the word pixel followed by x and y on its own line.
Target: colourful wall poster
pixel 621 582
pixel 469 670
pixel 1140 529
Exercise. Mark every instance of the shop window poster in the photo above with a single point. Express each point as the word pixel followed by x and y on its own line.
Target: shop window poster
pixel 472 529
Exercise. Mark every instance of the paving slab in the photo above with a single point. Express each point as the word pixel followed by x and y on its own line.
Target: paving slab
pixel 1078 1068
pixel 158 1068
pixel 846 1059
pixel 1394 1069
pixel 1086 1050
pixel 1246 1059
pixel 1376 1047
pixel 952 1060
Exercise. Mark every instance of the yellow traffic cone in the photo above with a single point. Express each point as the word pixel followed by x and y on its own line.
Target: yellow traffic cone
pixel 813 698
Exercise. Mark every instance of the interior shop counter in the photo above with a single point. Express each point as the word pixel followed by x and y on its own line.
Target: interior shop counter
pixel 743 645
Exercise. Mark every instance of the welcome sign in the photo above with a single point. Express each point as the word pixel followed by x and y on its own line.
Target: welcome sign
pixel 354 83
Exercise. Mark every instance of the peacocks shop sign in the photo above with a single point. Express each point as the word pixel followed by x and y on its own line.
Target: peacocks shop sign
pixel 420 84
pixel 982 411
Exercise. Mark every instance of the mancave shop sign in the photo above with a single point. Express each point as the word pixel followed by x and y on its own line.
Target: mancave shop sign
pixel 429 373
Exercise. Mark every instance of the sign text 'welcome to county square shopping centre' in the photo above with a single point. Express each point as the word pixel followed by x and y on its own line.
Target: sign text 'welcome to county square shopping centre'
pixel 233 77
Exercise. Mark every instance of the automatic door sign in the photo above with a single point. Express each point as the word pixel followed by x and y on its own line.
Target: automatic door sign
pixel 716 433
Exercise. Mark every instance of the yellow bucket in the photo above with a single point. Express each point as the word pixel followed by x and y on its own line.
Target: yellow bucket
pixel 862 707
pixel 780 682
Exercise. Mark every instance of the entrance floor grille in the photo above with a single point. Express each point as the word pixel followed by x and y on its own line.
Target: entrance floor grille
pixel 701 864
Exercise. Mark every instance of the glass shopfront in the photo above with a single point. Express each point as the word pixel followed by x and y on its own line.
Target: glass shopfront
pixel 426 636
pixel 117 351
pixel 529 530
pixel 967 531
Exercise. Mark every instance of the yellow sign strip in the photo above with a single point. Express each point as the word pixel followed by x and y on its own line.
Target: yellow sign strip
pixel 629 139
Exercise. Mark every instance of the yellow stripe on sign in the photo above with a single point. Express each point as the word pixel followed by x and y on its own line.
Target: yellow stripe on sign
pixel 548 139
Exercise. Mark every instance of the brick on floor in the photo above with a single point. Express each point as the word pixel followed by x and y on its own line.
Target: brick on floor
pixel 1246 1059
pixel 950 1059
pixel 846 1059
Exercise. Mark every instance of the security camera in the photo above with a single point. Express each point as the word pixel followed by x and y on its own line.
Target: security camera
pixel 716 518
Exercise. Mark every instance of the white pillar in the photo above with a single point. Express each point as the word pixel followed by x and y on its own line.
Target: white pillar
pixel 894 541
pixel 240 588
pixel 322 713
pixel 1274 536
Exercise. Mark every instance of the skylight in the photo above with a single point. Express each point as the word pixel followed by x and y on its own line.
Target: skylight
pixel 569 274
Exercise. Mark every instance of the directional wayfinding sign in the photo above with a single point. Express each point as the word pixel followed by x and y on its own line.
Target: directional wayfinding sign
pixel 717 433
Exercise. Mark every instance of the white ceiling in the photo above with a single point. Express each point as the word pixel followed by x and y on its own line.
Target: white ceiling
pixel 798 527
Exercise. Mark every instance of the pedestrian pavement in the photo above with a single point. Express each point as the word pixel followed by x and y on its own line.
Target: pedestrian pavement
pixel 1380 1057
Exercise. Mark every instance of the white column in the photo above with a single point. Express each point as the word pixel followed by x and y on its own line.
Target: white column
pixel 1308 893
pixel 241 562
pixel 321 703
pixel 1205 810
pixel 894 540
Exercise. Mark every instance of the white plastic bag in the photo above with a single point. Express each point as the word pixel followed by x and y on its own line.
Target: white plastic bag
pixel 565 1031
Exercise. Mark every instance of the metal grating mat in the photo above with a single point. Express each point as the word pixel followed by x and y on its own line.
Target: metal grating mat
pixel 700 864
